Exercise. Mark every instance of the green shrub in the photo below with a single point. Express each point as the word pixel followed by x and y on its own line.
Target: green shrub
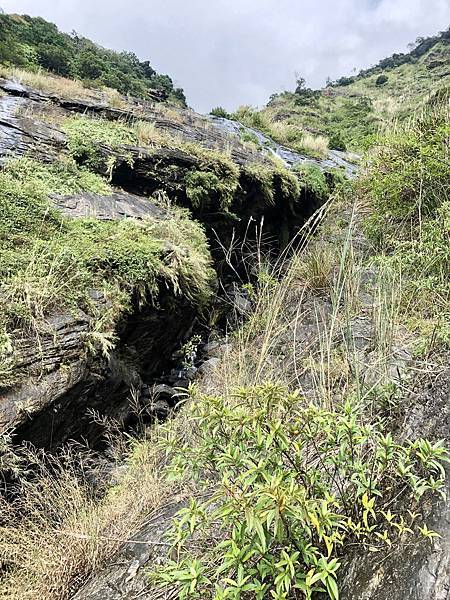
pixel 381 79
pixel 271 180
pixel 216 173
pixel 247 137
pixel 288 183
pixel 288 485
pixel 409 173
pixel 219 111
pixel 262 176
pixel 407 183
pixel 85 135
pixel 201 186
pixel 336 140
pixel 313 180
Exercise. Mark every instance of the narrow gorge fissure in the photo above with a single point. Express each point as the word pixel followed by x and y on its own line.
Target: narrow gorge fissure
pixel 146 364
pixel 141 380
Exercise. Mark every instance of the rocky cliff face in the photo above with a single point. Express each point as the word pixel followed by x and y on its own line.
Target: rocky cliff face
pixel 60 381
pixel 57 379
pixel 61 378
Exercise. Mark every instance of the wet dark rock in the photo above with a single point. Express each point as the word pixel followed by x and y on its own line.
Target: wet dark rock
pixel 208 366
pixel 161 409
pixel 236 305
pixel 163 390
pixel 21 135
pixel 61 384
pixel 47 368
pixel 335 159
pixel 212 348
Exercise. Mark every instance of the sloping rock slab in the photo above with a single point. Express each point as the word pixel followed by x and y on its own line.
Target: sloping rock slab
pixel 120 205
pixel 20 134
pixel 420 571
pixel 50 363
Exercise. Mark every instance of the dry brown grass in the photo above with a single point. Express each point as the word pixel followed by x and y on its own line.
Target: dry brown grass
pixel 67 88
pixel 316 144
pixel 148 135
pixel 63 87
pixel 302 329
pixel 285 133
pixel 59 533
pixel 317 267
pixel 170 113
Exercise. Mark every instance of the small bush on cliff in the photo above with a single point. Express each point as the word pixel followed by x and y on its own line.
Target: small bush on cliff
pixel 312 179
pixel 85 135
pixel 273 179
pixel 219 111
pixel 200 187
pixel 216 175
pixel 288 485
pixel 381 79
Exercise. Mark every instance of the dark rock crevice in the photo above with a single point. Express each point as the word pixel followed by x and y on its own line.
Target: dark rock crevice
pixel 147 339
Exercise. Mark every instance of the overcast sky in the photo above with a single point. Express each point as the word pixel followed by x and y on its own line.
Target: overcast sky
pixel 232 52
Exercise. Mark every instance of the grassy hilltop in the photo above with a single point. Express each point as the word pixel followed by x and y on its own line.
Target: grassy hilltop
pixel 347 113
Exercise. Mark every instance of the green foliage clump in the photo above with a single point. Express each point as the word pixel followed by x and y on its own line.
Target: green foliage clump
pixel 336 140
pixel 219 111
pixel 410 172
pixel 274 180
pixel 216 177
pixel 33 43
pixel 264 178
pixel 312 179
pixel 86 134
pixel 50 262
pixel 252 118
pixel 201 186
pixel 288 486
pixel 247 137
pixel 288 183
pixel 381 79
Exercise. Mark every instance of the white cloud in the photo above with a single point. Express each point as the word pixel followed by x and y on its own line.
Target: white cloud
pixel 238 52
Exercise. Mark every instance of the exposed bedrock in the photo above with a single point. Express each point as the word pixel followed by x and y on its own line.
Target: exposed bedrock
pixel 421 570
pixel 27 127
pixel 55 402
pixel 60 381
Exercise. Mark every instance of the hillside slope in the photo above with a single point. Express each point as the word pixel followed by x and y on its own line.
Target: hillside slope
pixel 349 111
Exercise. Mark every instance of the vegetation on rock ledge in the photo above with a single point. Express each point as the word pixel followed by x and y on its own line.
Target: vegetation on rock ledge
pixel 49 262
